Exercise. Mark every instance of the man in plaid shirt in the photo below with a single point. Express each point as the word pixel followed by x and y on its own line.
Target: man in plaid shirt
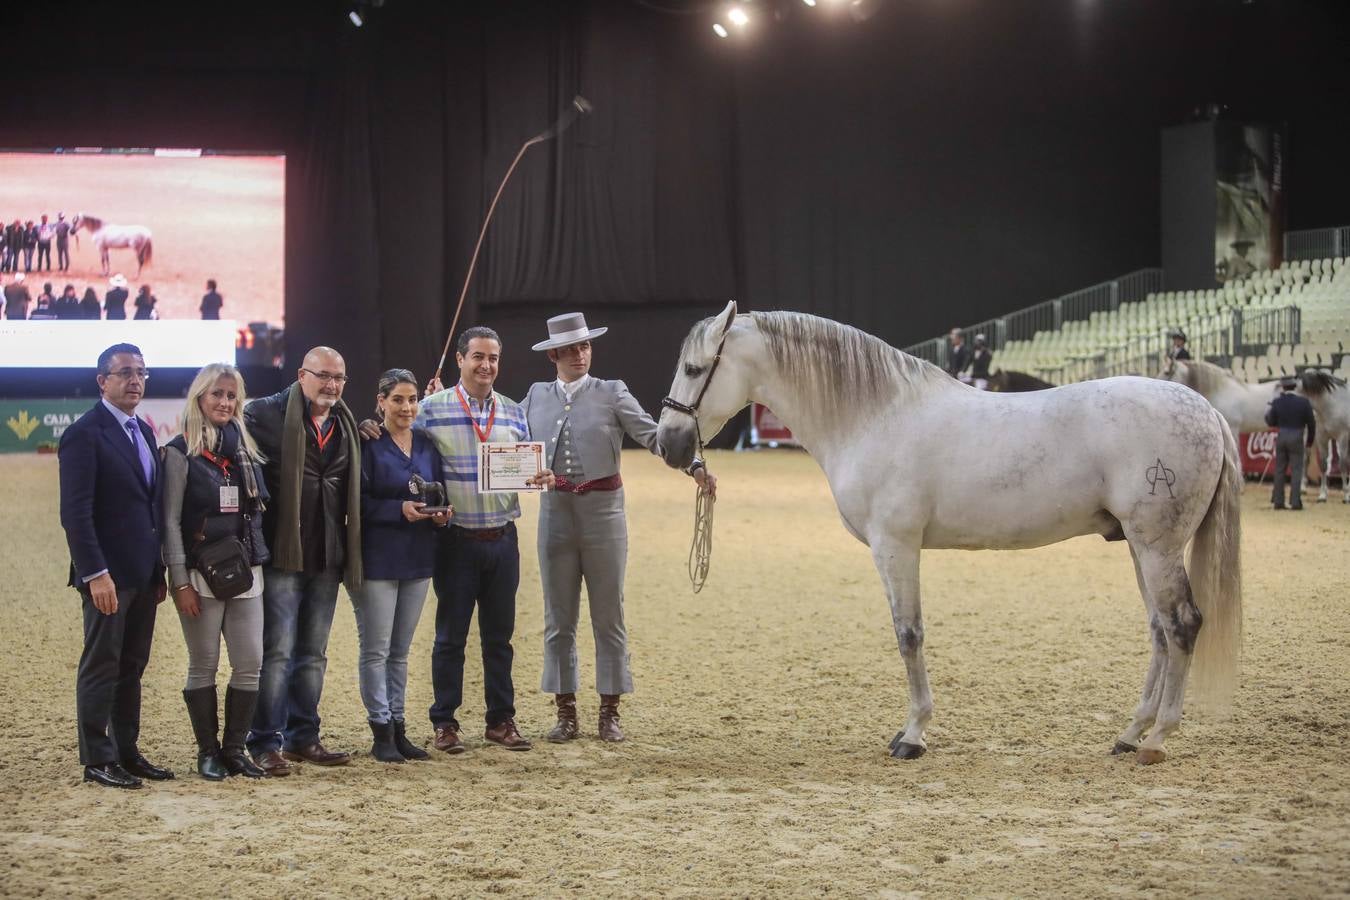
pixel 478 561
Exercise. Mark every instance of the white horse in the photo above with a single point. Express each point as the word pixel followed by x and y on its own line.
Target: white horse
pixel 1331 403
pixel 133 237
pixel 1243 405
pixel 905 450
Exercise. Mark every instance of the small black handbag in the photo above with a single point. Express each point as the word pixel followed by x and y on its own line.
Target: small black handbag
pixel 224 563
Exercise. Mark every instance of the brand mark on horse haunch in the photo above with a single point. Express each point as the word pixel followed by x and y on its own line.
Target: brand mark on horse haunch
pixel 1158 472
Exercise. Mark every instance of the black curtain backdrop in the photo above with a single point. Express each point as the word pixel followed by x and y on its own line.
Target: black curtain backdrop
pixel 933 165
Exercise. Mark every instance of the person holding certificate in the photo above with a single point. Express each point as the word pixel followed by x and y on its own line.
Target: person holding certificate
pixel 402 510
pixel 478 560
pixel 583 533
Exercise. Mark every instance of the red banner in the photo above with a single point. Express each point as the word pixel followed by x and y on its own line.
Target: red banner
pixel 766 428
pixel 1257 449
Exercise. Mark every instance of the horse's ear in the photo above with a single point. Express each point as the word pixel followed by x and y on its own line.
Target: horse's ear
pixel 728 316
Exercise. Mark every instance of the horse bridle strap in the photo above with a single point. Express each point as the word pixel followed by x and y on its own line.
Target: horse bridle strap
pixel 672 403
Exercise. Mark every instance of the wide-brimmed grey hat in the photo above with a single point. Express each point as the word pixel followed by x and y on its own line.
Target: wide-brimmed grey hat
pixel 567 329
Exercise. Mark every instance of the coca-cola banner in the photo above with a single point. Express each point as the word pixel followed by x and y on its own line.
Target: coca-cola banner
pixel 1257 449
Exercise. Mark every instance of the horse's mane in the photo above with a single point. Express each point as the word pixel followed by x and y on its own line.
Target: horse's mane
pixel 1204 377
pixel 838 371
pixel 1320 381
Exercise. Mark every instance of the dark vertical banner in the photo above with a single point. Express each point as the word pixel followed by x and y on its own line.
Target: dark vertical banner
pixel 1249 210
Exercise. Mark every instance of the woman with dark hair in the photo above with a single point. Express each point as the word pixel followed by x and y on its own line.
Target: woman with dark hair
pixel 67 306
pixel 45 307
pixel 89 305
pixel 145 303
pixel 398 549
pixel 213 490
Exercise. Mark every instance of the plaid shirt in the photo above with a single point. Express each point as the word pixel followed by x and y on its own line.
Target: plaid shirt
pixel 443 417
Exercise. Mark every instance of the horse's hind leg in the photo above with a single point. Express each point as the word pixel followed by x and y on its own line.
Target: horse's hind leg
pixel 1147 710
pixel 899 568
pixel 1177 618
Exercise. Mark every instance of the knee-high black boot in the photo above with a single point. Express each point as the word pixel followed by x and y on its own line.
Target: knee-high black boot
pixel 201 706
pixel 238 717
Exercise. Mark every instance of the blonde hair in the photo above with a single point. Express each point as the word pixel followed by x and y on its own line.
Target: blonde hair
pixel 198 432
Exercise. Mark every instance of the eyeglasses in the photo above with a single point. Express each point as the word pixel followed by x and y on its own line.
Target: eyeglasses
pixel 327 377
pixel 128 374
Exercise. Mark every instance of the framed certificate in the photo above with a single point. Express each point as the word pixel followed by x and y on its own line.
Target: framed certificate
pixel 506 468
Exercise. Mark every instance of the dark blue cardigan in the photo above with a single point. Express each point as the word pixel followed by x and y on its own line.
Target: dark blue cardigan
pixel 391 546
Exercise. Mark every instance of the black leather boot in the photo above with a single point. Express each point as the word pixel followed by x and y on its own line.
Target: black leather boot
pixel 406 748
pixel 238 718
pixel 201 706
pixel 383 749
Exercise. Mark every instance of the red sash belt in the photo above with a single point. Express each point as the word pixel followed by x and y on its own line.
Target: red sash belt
pixel 612 483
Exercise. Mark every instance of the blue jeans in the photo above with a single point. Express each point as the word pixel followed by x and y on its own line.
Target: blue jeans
pixel 386 618
pixel 297 616
pixel 485 573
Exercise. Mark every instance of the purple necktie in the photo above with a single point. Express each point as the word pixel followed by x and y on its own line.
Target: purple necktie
pixel 138 441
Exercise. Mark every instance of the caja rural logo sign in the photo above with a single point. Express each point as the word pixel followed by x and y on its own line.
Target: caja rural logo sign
pixel 23 424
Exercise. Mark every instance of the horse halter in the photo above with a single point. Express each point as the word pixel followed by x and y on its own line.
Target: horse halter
pixel 692 410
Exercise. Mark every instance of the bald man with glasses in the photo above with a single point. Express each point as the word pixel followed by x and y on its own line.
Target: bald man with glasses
pixel 313 528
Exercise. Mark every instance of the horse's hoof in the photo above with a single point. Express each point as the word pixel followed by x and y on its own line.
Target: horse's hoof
pixel 1122 747
pixel 898 739
pixel 1148 757
pixel 907 751
pixel 1321 499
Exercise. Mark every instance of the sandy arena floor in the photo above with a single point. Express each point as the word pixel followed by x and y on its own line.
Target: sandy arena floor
pixel 756 762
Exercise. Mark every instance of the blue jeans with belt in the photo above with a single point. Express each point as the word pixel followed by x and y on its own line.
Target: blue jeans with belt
pixel 297 616
pixel 485 573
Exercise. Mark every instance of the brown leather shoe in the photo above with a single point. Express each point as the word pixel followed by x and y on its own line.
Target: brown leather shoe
pixel 505 733
pixel 609 718
pixel 318 754
pixel 273 764
pixel 447 739
pixel 566 729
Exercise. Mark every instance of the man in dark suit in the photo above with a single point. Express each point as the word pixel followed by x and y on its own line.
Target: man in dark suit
pixel 1293 415
pixel 110 510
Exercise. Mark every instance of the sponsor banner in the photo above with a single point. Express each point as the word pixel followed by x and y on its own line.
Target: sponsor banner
pixel 766 428
pixel 32 424
pixel 1257 449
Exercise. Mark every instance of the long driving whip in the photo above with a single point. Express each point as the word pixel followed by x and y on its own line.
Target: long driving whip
pixel 579 106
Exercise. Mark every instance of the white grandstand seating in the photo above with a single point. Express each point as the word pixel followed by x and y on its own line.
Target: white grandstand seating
pixel 1319 288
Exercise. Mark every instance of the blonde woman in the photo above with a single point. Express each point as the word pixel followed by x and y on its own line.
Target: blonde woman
pixel 213 490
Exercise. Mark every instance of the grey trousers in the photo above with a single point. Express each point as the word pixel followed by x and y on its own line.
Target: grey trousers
pixel 241 622
pixel 584 537
pixel 386 618
pixel 1289 453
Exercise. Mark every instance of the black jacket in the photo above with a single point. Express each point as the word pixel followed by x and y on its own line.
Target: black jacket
pixel 1292 412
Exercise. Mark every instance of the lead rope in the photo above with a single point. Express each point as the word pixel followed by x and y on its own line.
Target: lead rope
pixel 700 548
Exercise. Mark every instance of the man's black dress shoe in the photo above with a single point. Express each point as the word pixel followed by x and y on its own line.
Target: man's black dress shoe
pixel 143 768
pixel 111 775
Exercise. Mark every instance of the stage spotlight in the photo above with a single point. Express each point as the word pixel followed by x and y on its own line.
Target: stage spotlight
pixel 355 16
pixel 738 17
pixel 809 2
pixel 719 30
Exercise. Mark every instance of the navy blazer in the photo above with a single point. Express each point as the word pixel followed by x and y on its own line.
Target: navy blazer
pixel 111 516
pixel 393 548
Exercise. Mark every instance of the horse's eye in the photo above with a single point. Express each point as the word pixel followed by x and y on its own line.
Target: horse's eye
pixel 692 370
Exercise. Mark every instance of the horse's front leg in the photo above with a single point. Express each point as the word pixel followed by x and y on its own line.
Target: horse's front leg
pixel 1324 467
pixel 898 563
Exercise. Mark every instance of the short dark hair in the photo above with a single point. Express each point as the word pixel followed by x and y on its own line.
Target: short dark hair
pixel 105 358
pixel 392 378
pixel 477 331
pixel 211 284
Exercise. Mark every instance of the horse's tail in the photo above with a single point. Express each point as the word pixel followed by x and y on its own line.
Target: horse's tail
pixel 1216 584
pixel 145 252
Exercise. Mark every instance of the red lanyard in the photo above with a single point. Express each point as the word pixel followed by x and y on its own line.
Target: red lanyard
pixel 483 433
pixel 319 435
pixel 221 461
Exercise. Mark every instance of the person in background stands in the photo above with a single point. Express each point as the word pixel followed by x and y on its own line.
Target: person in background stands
pixel 115 301
pixel 313 530
pixel 211 301
pixel 17 298
pixel 958 357
pixel 213 489
pixel 110 510
pixel 89 308
pixel 979 364
pixel 1178 350
pixel 62 231
pixel 145 303
pixel 398 548
pixel 1291 414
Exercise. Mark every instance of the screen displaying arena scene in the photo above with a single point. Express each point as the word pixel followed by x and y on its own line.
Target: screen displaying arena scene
pixel 178 251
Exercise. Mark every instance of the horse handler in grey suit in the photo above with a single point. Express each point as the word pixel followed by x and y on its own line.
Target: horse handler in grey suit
pixel 583 533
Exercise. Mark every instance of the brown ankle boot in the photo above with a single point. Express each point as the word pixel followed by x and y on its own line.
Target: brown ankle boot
pixel 609 718
pixel 566 729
